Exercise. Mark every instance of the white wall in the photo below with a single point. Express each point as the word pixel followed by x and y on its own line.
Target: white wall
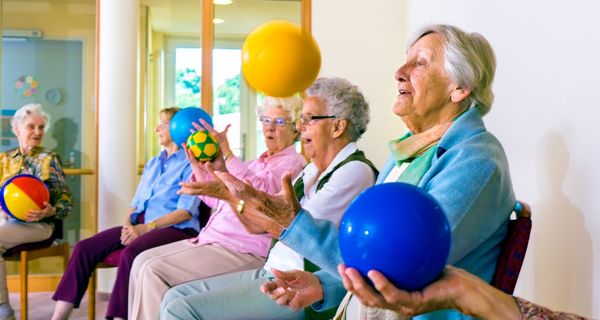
pixel 545 114
pixel 351 49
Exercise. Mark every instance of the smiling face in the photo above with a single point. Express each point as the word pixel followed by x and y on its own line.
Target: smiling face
pixel 30 131
pixel 424 88
pixel 278 137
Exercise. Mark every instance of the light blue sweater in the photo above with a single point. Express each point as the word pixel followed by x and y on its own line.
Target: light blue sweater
pixel 469 177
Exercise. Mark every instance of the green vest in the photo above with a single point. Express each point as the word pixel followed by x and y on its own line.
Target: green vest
pixel 358 155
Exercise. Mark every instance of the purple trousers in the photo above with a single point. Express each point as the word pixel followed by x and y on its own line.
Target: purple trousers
pixel 91 251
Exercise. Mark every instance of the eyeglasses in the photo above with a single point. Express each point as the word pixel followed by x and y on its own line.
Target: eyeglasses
pixel 267 121
pixel 307 118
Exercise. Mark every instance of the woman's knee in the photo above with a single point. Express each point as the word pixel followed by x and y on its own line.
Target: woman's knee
pixel 177 308
pixel 172 294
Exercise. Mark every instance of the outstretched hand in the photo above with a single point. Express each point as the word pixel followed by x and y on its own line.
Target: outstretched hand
pixel 295 289
pixel 281 207
pixel 456 289
pixel 211 185
pixel 220 136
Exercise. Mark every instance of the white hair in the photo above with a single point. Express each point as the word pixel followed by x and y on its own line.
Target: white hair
pixel 27 110
pixel 291 105
pixel 469 61
pixel 345 101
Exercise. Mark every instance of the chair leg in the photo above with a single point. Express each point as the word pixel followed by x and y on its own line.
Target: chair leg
pixel 23 277
pixel 92 297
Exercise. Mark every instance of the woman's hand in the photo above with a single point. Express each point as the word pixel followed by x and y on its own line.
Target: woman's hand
pixel 281 207
pixel 295 289
pixel 37 215
pixel 456 289
pixel 220 136
pixel 212 186
pixel 130 233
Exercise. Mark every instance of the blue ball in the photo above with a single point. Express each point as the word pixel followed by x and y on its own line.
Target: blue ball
pixel 399 230
pixel 181 123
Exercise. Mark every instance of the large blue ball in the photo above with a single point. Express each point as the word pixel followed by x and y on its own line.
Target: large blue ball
pixel 181 123
pixel 399 230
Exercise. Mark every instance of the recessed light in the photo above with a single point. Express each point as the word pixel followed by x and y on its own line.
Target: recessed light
pixel 218 20
pixel 222 2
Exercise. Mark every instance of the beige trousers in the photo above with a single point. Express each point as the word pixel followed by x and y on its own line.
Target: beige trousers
pixel 351 309
pixel 156 270
pixel 14 233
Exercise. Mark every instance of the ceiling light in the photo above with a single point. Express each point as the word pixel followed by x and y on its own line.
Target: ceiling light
pixel 218 20
pixel 222 2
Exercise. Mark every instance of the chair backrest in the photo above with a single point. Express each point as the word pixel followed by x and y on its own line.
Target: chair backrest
pixel 204 214
pixel 513 249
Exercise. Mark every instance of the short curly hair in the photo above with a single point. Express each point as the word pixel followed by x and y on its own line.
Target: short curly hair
pixel 345 101
pixel 27 110
pixel 291 105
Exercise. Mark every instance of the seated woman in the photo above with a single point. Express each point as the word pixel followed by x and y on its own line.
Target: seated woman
pixel 334 116
pixel 157 216
pixel 444 89
pixel 30 123
pixel 225 245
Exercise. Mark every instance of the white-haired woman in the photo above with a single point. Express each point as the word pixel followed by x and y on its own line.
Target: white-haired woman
pixel 227 243
pixel 444 89
pixel 334 116
pixel 30 123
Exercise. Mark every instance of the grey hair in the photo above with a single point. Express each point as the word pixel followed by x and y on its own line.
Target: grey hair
pixel 27 110
pixel 469 61
pixel 345 101
pixel 292 105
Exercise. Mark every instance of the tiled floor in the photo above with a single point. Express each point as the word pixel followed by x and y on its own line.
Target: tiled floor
pixel 41 307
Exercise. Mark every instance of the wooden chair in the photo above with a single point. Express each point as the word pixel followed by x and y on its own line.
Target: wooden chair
pixel 513 249
pixel 30 251
pixel 112 261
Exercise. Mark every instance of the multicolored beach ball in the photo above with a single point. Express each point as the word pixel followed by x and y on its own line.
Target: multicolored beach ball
pixel 22 193
pixel 203 145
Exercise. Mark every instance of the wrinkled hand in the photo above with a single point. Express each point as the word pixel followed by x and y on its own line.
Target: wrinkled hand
pixel 295 289
pixel 446 292
pixel 37 215
pixel 211 186
pixel 281 207
pixel 220 136
pixel 130 233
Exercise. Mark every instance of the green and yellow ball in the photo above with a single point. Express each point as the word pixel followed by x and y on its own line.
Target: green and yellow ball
pixel 203 145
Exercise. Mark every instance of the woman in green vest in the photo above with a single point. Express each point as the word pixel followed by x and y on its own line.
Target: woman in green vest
pixel 334 116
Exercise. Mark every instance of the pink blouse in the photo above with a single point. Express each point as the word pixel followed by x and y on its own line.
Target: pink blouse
pixel 223 227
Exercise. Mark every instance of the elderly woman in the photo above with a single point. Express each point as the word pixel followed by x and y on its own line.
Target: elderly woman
pixel 444 89
pixel 226 244
pixel 157 216
pixel 30 123
pixel 334 116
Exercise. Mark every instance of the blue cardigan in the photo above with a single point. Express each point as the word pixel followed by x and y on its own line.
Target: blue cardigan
pixel 469 176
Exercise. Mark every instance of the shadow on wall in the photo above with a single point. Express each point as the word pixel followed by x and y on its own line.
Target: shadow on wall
pixel 562 244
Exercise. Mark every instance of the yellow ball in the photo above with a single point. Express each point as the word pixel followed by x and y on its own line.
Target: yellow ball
pixel 203 145
pixel 280 59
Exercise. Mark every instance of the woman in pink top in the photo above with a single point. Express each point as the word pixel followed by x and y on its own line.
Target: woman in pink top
pixel 224 245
